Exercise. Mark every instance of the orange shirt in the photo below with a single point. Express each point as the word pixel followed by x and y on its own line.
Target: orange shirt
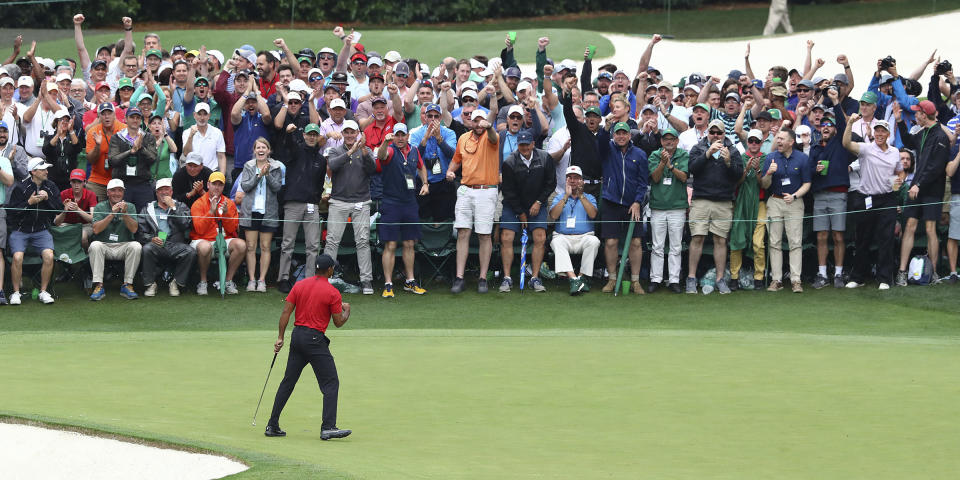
pixel 99 173
pixel 205 226
pixel 478 158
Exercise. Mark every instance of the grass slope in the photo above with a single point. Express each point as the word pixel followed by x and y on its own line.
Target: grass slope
pixel 428 46
pixel 521 404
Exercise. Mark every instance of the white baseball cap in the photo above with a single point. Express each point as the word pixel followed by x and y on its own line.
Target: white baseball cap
pixel 62 113
pixel 25 80
pixel 163 182
pixel 326 50
pixel 37 163
pixel 392 56
pixel 297 85
pixel 755 133
pixel 294 96
pixel 338 103
pixel 6 81
pixel 468 85
pixel 574 170
pixel 374 61
pixel 515 109
pixel 216 54
pixel 469 93
pixel 474 63
pixel 115 183
pixel 524 85
pixel 478 114
pixel 202 106
pixel 351 125
pixel 64 76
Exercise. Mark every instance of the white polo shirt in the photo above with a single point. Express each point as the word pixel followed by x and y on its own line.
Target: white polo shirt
pixel 208 145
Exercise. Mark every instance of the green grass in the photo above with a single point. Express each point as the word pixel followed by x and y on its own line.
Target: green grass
pixel 727 23
pixel 428 46
pixel 828 384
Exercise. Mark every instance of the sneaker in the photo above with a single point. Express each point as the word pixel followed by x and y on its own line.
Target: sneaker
pixel 15 298
pixel 758 285
pixel 481 287
pixel 537 285
pixel 951 279
pixel 274 431
pixel 797 287
pixel 334 433
pixel 202 288
pixel 691 285
pixel 819 282
pixel 412 287
pixel 884 286
pixel 675 288
pixel 151 290
pixel 261 286
pixel 854 284
pixel 723 287
pixel 901 280
pixel 586 283
pixel 367 287
pixel 387 290
pixel 733 284
pixel 174 289
pixel 837 281
pixel 610 286
pixel 252 286
pixel 576 286
pixel 230 288
pixel 45 297
pixel 652 287
pixel 505 285
pixel 96 296
pixel 935 279
pixel 775 286
pixel 457 285
pixel 126 290
pixel 3 298
pixel 283 286
pixel 636 288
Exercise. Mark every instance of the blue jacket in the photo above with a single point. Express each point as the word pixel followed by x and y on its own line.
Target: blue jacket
pixel 625 174
pixel 884 100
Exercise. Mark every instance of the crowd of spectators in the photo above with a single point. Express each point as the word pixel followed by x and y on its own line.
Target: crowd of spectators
pixel 159 151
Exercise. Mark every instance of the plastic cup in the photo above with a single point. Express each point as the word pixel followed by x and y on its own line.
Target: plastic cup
pixel 162 236
pixel 625 287
pixel 826 166
pixel 592 50
pixel 513 37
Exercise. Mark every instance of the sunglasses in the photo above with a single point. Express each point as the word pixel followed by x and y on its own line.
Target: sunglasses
pixel 715 132
pixel 803 90
pixel 516 116
pixel 468 100
pixel 433 116
pixel 402 75
pixel 316 79
pixel 753 140
pixel 359 62
pixel 294 102
pixel 326 56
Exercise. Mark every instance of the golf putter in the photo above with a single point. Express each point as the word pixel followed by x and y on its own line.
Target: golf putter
pixel 264 388
pixel 623 257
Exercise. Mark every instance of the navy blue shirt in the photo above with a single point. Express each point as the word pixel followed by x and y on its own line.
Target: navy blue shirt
pixel 246 132
pixel 395 170
pixel 791 172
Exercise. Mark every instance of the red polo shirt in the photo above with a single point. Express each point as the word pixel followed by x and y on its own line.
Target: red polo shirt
pixel 373 135
pixel 86 203
pixel 315 300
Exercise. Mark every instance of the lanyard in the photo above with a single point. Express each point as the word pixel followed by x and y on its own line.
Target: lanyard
pixel 923 139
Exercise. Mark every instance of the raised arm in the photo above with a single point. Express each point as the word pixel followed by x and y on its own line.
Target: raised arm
pixel 746 63
pixel 344 57
pixel 647 53
pixel 287 54
pixel 16 50
pixel 852 147
pixel 916 74
pixel 82 53
pixel 807 60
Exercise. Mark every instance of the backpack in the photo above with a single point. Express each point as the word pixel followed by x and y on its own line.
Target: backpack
pixel 920 270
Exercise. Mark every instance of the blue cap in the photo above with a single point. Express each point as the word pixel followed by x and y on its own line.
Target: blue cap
pixel 734 74
pixel 524 137
pixel 104 107
pixel 400 127
pixel 758 83
pixel 605 74
pixel 134 111
pixel 4 125
pixel 432 107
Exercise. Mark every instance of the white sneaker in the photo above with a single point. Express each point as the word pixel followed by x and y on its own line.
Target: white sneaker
pixel 883 286
pixel 202 288
pixel 45 297
pixel 151 290
pixel 174 289
pixel 251 286
pixel 15 298
pixel 852 284
pixel 261 286
pixel 231 288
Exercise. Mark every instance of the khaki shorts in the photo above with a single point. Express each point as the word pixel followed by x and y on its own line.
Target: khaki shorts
pixel 710 216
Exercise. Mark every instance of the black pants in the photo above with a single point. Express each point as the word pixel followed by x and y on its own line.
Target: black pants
pixel 309 346
pixel 440 203
pixel 874 228
pixel 139 193
pixel 180 255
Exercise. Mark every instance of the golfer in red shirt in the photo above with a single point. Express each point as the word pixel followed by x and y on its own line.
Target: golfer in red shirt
pixel 316 302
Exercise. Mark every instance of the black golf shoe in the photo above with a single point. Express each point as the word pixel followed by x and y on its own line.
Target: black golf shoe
pixel 334 433
pixel 274 431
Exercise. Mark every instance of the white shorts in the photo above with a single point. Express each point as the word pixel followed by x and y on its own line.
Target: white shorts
pixel 475 209
pixel 193 243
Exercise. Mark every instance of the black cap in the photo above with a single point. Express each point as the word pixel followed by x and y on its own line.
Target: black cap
pixel 324 262
pixel 338 77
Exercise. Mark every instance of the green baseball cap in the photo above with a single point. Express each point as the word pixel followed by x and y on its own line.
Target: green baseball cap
pixel 311 128
pixel 621 126
pixel 775 113
pixel 201 79
pixel 62 63
pixel 703 106
pixel 593 110
pixel 154 52
pixel 869 97
pixel 670 131
pixel 124 82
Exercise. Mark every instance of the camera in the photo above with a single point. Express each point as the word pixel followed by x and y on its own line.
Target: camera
pixel 912 87
pixel 887 62
pixel 943 67
pixel 346 98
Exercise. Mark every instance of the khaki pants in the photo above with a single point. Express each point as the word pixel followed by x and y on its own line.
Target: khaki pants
pixel 360 220
pixel 759 248
pixel 295 215
pixel 586 244
pixel 789 218
pixel 100 252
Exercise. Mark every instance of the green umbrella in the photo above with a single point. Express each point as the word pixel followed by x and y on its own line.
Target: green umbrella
pixel 221 245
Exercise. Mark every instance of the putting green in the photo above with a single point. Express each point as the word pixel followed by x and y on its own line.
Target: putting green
pixel 518 403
